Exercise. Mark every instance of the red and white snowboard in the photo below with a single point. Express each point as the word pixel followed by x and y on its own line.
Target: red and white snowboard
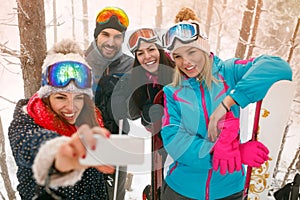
pixel 274 115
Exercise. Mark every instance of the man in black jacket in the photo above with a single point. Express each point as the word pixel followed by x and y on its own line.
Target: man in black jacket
pixel 109 64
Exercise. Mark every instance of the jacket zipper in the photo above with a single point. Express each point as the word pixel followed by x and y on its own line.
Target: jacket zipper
pixel 207 186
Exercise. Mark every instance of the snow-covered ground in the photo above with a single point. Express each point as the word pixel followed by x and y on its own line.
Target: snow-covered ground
pixel 11 82
pixel 141 173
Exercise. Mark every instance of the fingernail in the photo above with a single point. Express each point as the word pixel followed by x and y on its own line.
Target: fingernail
pixel 83 156
pixel 108 135
pixel 74 155
pixel 93 147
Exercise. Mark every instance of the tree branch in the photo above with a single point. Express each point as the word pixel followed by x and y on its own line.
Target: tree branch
pixel 4 168
pixel 22 10
pixel 4 49
pixel 1 195
pixel 8 100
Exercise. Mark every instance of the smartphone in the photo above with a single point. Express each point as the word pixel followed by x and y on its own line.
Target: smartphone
pixel 116 150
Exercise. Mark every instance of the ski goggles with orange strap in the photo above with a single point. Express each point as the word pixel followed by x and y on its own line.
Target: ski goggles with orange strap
pixel 105 14
pixel 145 34
pixel 185 32
pixel 60 74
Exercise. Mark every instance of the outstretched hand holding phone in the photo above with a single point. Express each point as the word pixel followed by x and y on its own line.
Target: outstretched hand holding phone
pixel 67 157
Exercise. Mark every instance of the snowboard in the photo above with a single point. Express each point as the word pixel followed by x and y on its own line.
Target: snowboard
pixel 269 124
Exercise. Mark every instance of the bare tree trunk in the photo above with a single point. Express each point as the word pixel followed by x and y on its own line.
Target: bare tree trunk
pixel 3 164
pixel 220 28
pixel 245 29
pixel 85 24
pixel 159 17
pixel 255 27
pixel 286 130
pixel 298 162
pixel 197 7
pixel 296 157
pixel 73 19
pixel 1 195
pixel 209 14
pixel 293 45
pixel 31 19
pixel 195 4
pixel 54 21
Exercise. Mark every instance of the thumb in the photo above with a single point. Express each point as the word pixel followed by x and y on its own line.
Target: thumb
pixel 263 147
pixel 66 150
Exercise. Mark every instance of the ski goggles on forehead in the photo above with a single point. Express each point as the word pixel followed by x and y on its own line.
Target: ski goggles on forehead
pixel 146 34
pixel 60 74
pixel 105 14
pixel 185 32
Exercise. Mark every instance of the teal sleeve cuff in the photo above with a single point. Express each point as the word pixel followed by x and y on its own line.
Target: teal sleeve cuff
pixel 241 99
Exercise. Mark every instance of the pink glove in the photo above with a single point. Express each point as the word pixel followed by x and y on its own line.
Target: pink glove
pixel 254 153
pixel 228 128
pixel 226 153
pixel 227 157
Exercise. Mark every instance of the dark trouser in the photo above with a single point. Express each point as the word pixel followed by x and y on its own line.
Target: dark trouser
pixel 121 184
pixel 236 196
pixel 169 194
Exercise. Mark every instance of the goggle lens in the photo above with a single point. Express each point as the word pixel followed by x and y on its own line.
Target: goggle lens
pixel 183 32
pixel 145 34
pixel 105 14
pixel 61 73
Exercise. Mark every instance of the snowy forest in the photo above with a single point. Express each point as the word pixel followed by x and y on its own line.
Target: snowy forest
pixel 244 29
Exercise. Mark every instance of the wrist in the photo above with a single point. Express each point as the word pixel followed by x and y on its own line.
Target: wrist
pixel 53 170
pixel 225 107
pixel 229 101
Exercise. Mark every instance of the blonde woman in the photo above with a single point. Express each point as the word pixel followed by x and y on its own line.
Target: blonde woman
pixel 205 92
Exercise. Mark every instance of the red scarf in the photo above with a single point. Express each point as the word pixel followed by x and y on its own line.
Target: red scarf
pixel 44 117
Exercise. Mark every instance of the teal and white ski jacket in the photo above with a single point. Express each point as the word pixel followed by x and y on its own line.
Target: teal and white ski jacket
pixel 186 115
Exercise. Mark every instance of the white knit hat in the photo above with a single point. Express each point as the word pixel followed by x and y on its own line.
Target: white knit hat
pixel 66 50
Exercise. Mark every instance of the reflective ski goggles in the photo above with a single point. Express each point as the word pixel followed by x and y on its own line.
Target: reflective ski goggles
pixel 61 73
pixel 185 32
pixel 146 34
pixel 105 14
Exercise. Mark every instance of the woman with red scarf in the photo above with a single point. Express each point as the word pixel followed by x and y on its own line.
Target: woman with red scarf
pixel 48 130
